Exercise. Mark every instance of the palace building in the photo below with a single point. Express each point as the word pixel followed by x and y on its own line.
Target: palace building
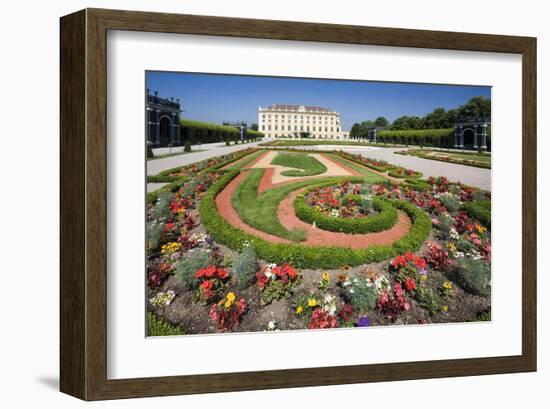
pixel 284 121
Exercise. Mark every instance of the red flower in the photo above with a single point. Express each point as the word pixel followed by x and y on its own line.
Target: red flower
pixel 321 319
pixel 410 284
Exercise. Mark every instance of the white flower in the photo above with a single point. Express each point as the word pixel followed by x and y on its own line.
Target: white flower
pixel 271 325
pixel 454 234
pixel 163 299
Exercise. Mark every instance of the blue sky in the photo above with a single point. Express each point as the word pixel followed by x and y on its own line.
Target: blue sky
pixel 217 97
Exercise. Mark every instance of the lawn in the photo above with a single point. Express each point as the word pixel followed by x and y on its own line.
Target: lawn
pixel 308 165
pixel 260 210
pixel 370 176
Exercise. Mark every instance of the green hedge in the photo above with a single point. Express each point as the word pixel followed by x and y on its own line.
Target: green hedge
pixel 175 182
pixel 206 132
pixel 302 256
pixel 385 219
pixel 425 137
pixel 480 210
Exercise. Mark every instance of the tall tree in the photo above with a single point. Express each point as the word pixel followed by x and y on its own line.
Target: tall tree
pixel 381 122
pixel 475 107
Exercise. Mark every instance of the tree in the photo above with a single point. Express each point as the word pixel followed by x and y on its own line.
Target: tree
pixel 355 131
pixel 381 122
pixel 304 134
pixel 254 127
pixel 476 107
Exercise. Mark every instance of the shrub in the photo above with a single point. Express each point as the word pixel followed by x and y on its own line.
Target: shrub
pixel 157 327
pixel 473 276
pixel 450 201
pixel 362 294
pixel 187 267
pixel 150 153
pixel 161 210
pixel 245 266
pixel 429 299
pixel 187 147
pixel 480 210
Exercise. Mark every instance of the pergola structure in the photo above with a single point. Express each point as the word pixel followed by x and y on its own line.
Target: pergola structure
pixel 241 126
pixel 163 120
pixel 471 133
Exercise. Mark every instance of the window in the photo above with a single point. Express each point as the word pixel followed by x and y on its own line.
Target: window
pixel 337 129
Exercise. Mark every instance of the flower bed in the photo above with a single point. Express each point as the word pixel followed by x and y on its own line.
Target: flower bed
pixel 345 207
pixel 303 256
pixel 205 276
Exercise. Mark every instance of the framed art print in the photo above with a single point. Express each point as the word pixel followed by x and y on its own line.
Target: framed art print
pixel 252 204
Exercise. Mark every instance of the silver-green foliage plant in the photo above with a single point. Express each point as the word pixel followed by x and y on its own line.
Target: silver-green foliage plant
pixel 187 266
pixel 154 232
pixel 362 294
pixel 245 266
pixel 473 275
pixel 450 201
pixel 161 210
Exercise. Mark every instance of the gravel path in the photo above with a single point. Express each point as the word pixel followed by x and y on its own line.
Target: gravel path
pixel 468 175
pixel 208 150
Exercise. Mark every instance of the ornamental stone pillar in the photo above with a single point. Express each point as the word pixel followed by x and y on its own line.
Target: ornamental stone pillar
pixel 461 139
pixel 157 127
pixel 484 137
pixel 476 136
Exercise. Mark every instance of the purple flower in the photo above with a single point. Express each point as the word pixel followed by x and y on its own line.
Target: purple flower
pixel 364 321
pixel 423 272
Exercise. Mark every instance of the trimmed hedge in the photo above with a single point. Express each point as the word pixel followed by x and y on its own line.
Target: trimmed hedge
pixel 302 256
pixel 175 182
pixel 385 219
pixel 480 210
pixel 206 132
pixel 424 137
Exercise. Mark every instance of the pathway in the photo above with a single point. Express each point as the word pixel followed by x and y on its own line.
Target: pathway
pixel 468 175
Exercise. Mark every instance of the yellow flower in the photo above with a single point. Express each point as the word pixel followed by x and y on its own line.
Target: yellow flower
pixel 447 285
pixel 299 309
pixel 326 276
pixel 345 267
pixel 445 308
pixel 229 299
pixel 480 228
pixel 311 302
pixel 170 248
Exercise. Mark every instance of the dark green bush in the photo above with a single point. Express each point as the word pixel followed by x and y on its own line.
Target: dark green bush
pixel 187 147
pixel 150 153
pixel 480 210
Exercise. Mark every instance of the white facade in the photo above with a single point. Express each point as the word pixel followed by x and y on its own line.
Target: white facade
pixel 288 121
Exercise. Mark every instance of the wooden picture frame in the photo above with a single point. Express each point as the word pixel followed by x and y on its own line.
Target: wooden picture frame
pixel 83 157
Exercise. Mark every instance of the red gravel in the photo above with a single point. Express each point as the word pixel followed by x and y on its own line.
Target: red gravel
pixel 315 236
